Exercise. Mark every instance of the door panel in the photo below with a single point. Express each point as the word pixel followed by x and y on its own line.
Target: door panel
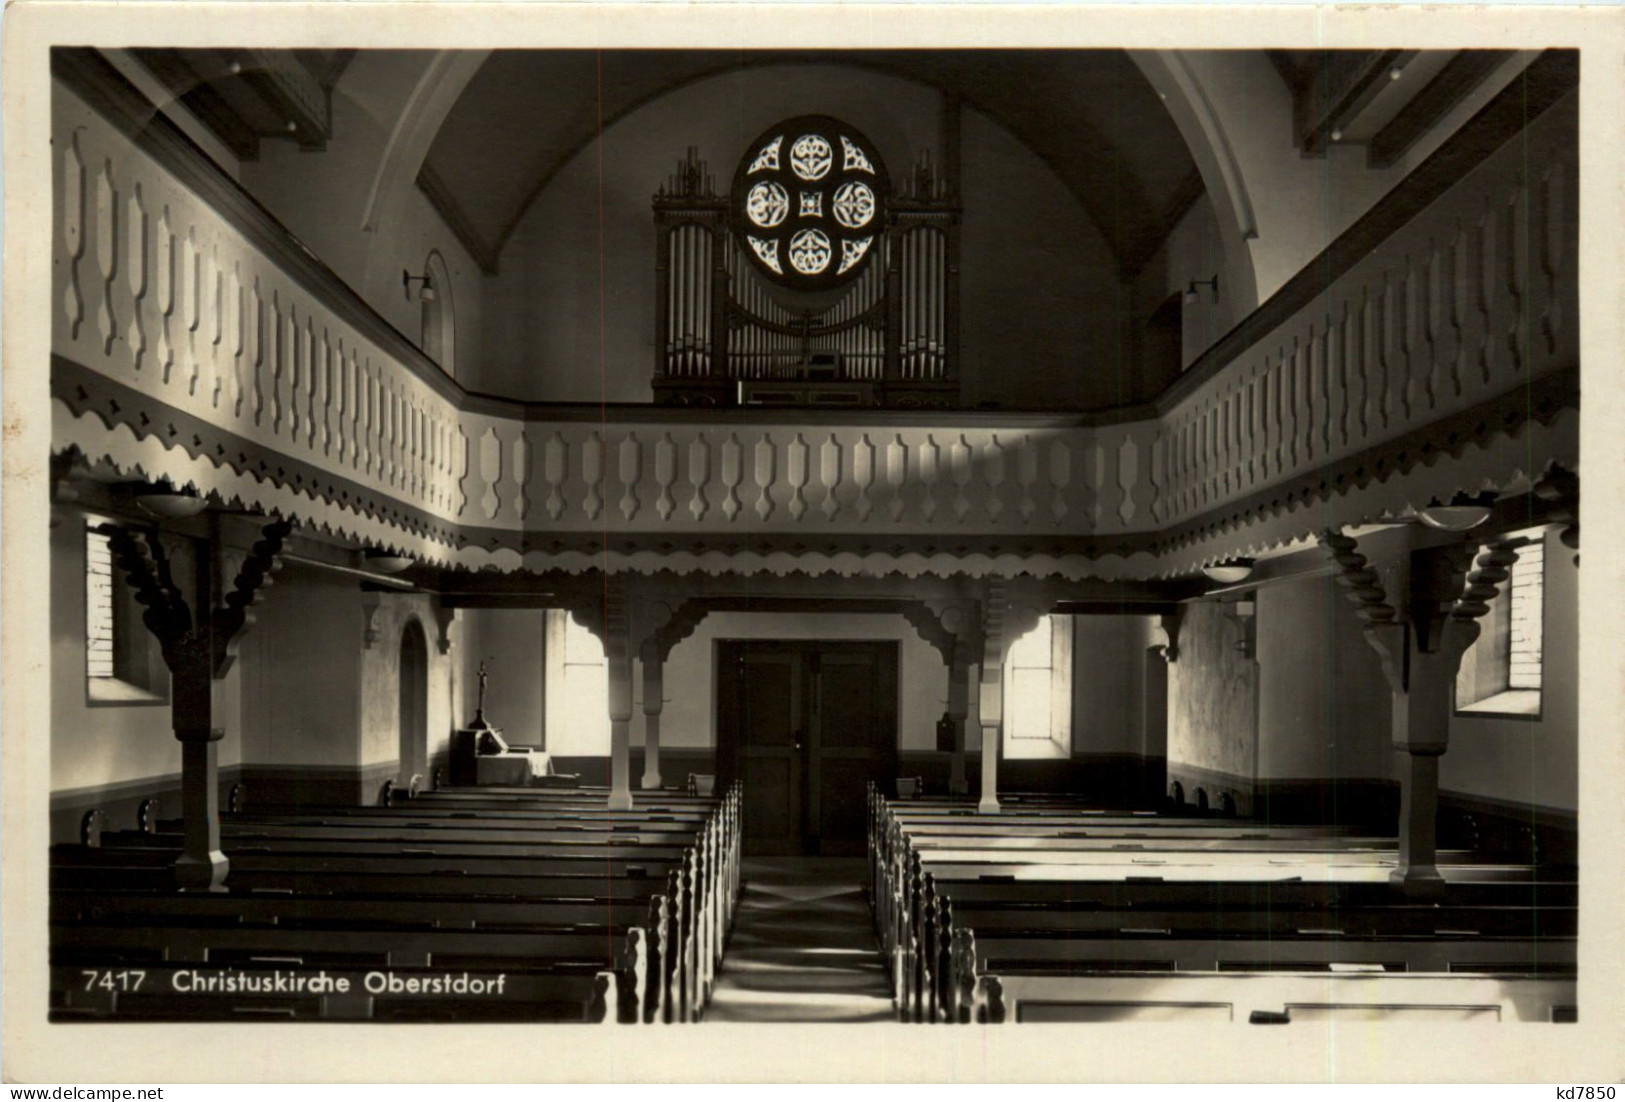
pixel 769 734
pixel 806 725
pixel 772 821
pixel 847 684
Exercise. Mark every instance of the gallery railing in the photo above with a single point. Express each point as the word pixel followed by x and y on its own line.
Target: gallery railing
pixel 200 304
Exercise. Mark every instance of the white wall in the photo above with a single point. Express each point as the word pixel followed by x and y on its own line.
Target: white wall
pixel 380 681
pixel 1108 669
pixel 1301 204
pixel 509 641
pixel 571 315
pixel 322 197
pixel 302 672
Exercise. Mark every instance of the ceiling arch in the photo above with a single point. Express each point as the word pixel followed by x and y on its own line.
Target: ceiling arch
pixel 1090 115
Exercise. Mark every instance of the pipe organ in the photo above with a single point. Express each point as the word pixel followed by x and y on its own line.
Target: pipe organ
pixel 740 320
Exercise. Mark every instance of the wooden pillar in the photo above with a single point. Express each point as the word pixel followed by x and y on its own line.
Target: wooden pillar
pixel 199 650
pixel 958 711
pixel 1009 611
pixel 990 701
pixel 1421 734
pixel 201 866
pixel 1421 634
pixel 620 731
pixel 653 690
pixel 990 719
pixel 618 652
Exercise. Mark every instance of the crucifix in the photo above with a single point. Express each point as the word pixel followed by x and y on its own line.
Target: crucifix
pixel 479 723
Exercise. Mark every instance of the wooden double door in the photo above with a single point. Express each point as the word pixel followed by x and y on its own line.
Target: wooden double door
pixel 806 725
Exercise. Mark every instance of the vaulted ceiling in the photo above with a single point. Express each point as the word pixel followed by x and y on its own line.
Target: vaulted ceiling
pixel 1089 114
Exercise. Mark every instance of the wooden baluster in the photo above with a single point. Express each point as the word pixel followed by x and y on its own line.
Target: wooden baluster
pixel 592 471
pixel 1551 240
pixel 1453 289
pixel 237 299
pixel 631 473
pixel 279 352
pixel 829 475
pixel 259 338
pixel 1485 254
pixel 107 255
pixel 1377 377
pixel 314 378
pixel 1429 296
pixel 1514 250
pixel 137 258
pixel 191 307
pixel 764 472
pixel 959 457
pixel 798 474
pixel 73 214
pixel 215 301
pixel 1407 365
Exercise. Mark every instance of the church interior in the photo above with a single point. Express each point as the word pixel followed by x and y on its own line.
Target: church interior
pixel 651 536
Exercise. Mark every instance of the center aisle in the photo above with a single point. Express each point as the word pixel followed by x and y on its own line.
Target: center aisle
pixel 803 947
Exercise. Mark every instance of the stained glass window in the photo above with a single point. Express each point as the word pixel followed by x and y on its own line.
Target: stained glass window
pixel 809 199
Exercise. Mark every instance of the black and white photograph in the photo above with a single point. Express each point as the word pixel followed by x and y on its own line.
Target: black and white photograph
pixel 773 529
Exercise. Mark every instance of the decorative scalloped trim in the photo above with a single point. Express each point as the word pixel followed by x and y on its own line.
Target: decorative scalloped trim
pixel 1474 465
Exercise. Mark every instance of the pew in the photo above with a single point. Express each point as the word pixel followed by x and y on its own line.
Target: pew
pixel 167 992
pixel 626 909
pixel 1269 998
pixel 976 919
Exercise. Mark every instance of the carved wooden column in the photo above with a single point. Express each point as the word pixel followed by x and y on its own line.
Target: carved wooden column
pixel 1421 654
pixel 198 653
pixel 958 711
pixel 654 663
pixel 618 652
pixel 1009 611
pixel 949 624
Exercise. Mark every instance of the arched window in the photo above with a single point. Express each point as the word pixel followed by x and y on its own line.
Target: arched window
pixel 1038 692
pixel 577 689
pixel 439 341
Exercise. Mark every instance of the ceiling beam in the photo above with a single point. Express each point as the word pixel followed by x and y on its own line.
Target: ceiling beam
pixel 1336 90
pixel 1452 84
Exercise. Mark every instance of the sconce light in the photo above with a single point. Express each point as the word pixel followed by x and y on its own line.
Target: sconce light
pixel 425 293
pixel 1464 511
pixel 1230 571
pixel 385 562
pixel 163 500
pixel 1192 298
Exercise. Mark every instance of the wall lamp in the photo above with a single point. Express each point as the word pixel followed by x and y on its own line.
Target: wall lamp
pixel 1192 298
pixel 163 500
pixel 1230 571
pixel 425 293
pixel 385 562
pixel 1464 511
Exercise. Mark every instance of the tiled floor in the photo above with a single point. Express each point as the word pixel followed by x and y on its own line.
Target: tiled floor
pixel 803 947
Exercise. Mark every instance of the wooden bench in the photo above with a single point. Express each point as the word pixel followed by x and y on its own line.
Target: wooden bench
pixel 169 992
pixel 1270 998
pixel 400 889
pixel 1066 894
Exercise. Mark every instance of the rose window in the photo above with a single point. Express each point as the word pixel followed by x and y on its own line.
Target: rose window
pixel 809 200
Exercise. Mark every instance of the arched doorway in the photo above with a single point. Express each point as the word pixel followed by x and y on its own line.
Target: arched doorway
pixel 414 702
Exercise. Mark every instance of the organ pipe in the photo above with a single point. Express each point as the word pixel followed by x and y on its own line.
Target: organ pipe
pixel 767 340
